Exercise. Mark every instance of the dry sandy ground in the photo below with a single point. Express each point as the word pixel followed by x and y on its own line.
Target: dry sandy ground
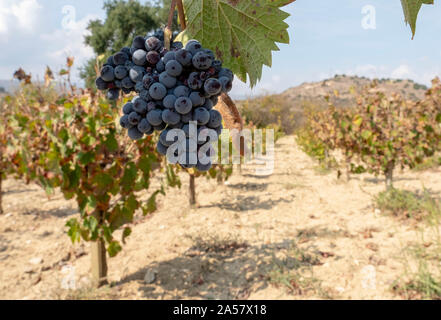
pixel 296 234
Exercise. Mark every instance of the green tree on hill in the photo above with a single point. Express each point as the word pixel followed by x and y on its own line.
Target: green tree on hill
pixel 124 20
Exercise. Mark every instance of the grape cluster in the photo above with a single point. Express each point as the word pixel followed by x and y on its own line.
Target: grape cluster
pixel 177 89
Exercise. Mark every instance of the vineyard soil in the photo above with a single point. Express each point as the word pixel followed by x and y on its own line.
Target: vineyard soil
pixel 246 239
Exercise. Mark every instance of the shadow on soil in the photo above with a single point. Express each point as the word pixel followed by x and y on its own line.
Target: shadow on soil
pixel 245 203
pixel 223 269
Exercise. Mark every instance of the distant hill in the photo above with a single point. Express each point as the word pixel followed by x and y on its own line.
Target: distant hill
pixel 9 85
pixel 287 109
pixel 315 92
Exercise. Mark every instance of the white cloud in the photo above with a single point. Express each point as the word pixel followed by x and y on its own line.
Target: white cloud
pixel 403 71
pixel 66 42
pixel 20 15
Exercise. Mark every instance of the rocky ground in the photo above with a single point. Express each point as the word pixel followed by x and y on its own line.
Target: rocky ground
pixel 296 234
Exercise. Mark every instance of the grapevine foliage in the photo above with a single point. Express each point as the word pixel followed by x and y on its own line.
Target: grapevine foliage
pixel 242 33
pixel 381 133
pixel 411 9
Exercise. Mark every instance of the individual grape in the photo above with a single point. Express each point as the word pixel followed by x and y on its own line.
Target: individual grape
pixel 212 86
pixel 181 91
pixel 202 116
pixel 113 94
pixel 217 65
pixel 139 87
pixel 139 57
pixel 100 84
pixel 144 126
pixel 118 84
pixel 120 58
pixel 120 72
pixel 161 127
pixel 210 53
pixel 169 101
pixel 138 42
pixel 173 68
pixel 196 99
pixel 193 46
pixel 137 73
pixel 126 50
pixel 128 108
pixel 204 76
pixel 167 80
pixel 186 118
pixel 151 106
pixel 178 125
pixel 227 84
pixel 163 138
pixel 161 148
pixel 170 117
pixel 226 73
pixel 153 57
pixel 147 81
pixel 124 122
pixel 140 106
pixel 202 61
pixel 194 82
pixel 127 83
pixel 208 104
pixel 184 57
pixel 134 118
pixel 157 91
pixel 154 117
pixel 169 56
pixel 129 64
pixel 144 94
pixel 107 73
pixel 110 62
pixel 183 105
pixel 135 99
pixel 135 134
pixel 160 66
pixel 215 119
pixel 153 44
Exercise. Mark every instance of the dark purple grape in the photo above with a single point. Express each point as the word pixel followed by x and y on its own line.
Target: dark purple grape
pixel 212 86
pixel 153 57
pixel 138 43
pixel 120 58
pixel 101 84
pixel 183 105
pixel 153 44
pixel 108 73
pixel 184 57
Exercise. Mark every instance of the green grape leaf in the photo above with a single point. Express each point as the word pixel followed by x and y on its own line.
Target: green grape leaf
pixel 411 9
pixel 242 33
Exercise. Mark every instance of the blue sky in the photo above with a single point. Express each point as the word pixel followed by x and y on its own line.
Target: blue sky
pixel 326 39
